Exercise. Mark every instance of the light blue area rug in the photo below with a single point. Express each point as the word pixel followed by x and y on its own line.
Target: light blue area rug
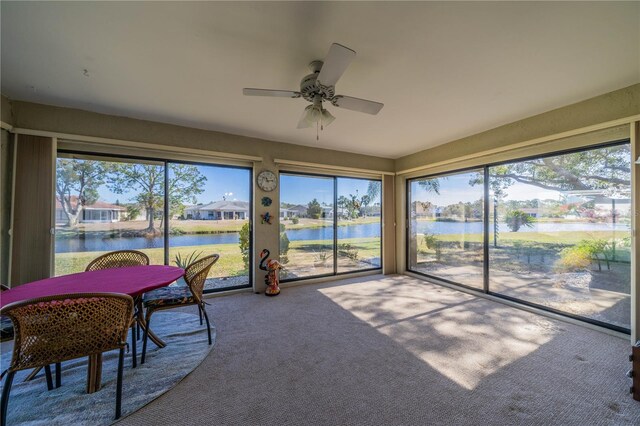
pixel 31 404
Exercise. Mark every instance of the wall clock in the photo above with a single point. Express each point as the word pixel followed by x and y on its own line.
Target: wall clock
pixel 267 180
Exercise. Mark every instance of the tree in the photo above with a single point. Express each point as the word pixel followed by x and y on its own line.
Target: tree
pixel 185 183
pixel 314 210
pixel 365 201
pixel 608 169
pixel 517 218
pixel 373 190
pixel 77 180
pixel 431 185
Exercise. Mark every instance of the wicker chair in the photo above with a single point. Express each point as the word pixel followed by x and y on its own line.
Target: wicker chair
pixel 174 297
pixel 118 259
pixel 6 327
pixel 54 329
pixel 122 259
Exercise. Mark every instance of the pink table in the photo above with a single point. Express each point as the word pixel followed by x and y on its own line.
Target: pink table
pixel 133 280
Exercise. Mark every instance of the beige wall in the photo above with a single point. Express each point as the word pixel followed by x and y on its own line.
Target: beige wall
pixel 5 110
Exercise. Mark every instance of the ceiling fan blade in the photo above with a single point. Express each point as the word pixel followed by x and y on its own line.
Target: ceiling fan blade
pixel 269 92
pixel 336 62
pixel 356 104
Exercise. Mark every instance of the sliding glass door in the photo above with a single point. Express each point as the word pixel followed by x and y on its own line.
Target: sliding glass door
pixel 209 211
pixel 556 234
pixel 560 233
pixel 359 236
pixel 329 225
pixel 446 231
pixel 107 203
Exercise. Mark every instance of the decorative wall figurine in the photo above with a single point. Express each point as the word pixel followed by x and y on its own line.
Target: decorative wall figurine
pixel 266 218
pixel 266 201
pixel 271 279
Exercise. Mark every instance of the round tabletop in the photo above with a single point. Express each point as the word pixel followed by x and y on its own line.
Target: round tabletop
pixel 132 280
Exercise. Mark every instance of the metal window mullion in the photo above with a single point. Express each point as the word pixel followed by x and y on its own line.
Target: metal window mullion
pixel 335 225
pixel 485 237
pixel 166 212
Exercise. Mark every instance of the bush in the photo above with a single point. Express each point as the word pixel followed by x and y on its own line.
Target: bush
pixel 517 218
pixel 580 256
pixel 295 220
pixel 244 242
pixel 284 245
pixel 573 259
pixel 349 251
pixel 430 241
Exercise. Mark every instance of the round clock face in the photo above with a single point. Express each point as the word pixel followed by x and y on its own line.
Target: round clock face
pixel 267 181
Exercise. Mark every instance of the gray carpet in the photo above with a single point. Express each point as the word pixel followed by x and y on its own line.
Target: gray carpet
pixel 395 350
pixel 31 404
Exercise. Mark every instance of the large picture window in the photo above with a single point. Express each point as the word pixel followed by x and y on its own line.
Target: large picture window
pixel 446 227
pixel 112 203
pixel 556 232
pixel 329 225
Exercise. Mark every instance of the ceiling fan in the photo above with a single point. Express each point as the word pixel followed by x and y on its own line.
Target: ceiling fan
pixel 319 86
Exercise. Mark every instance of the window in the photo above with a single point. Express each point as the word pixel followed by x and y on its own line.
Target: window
pixel 112 203
pixel 446 227
pixel 359 224
pixel 329 225
pixel 560 232
pixel 105 204
pixel 209 210
pixel 557 233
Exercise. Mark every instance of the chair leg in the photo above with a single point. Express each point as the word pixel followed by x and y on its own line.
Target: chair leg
pixel 119 384
pixel 200 314
pixel 145 336
pixel 58 375
pixel 4 401
pixel 33 374
pixel 134 356
pixel 47 370
pixel 206 317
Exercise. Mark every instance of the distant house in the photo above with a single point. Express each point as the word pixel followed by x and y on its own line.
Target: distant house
pixel 295 211
pixel 98 212
pixel 287 213
pixel 218 210
pixel 530 211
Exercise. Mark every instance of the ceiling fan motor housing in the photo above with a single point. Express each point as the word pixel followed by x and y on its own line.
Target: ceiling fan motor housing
pixel 309 86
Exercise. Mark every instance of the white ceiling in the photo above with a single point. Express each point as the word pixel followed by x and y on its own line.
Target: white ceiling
pixel 443 70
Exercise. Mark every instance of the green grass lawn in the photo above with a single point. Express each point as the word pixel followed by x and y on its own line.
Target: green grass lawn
pixel 230 263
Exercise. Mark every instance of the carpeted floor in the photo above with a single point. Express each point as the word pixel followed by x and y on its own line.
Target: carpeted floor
pixel 396 350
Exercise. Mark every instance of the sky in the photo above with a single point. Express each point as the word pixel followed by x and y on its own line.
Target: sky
pixel 220 182
pixel 456 188
pixel 234 184
pixel 300 189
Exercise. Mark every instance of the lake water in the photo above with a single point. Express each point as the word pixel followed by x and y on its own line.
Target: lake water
pixel 368 230
pixel 137 243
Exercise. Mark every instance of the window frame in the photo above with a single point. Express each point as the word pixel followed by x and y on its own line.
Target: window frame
pixel 165 210
pixel 486 267
pixel 335 178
